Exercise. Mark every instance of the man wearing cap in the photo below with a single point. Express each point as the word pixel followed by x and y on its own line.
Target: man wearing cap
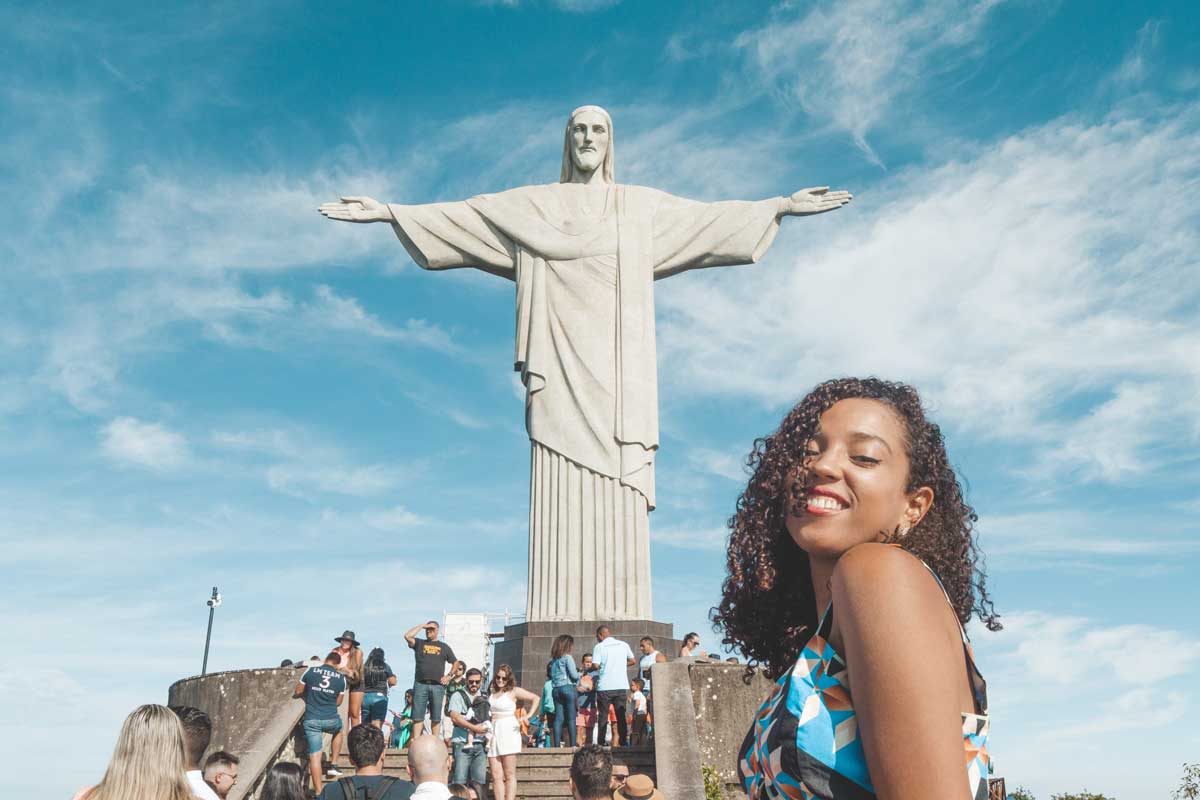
pixel 429 683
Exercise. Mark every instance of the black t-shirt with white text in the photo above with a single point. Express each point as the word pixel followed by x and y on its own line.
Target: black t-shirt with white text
pixel 432 657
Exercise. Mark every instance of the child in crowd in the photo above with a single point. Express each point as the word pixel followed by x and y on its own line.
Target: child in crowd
pixel 638 708
pixel 585 722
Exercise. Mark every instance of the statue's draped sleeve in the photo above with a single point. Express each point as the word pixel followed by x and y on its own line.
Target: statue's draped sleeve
pixel 452 236
pixel 694 235
pixel 533 237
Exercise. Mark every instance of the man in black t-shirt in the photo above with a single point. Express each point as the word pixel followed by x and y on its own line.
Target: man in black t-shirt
pixel 429 684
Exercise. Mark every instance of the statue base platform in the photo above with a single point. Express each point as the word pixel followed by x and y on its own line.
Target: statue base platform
pixel 526 646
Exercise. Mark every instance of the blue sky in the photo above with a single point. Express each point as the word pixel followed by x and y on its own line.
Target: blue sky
pixel 204 382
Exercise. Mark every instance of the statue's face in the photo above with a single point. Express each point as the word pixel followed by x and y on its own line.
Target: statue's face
pixel 589 140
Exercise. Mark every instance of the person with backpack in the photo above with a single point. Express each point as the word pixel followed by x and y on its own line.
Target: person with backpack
pixel 365 744
pixel 469 714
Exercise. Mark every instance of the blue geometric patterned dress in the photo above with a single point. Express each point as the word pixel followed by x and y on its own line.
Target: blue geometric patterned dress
pixel 804 743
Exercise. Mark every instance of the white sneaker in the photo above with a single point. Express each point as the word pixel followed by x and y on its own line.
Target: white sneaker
pixel 332 773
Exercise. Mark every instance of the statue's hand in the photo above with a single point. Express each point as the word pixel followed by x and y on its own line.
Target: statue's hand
pixel 817 200
pixel 357 209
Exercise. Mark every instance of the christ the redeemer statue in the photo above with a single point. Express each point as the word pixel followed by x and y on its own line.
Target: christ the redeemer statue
pixel 584 254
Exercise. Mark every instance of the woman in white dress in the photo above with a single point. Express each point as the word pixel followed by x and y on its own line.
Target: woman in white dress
pixel 504 696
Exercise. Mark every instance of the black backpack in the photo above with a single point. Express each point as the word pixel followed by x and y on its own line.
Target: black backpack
pixel 479 708
pixel 350 791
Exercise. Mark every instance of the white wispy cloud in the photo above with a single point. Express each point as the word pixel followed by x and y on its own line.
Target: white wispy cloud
pixel 333 311
pixel 394 518
pixel 690 537
pixel 1136 67
pixel 1019 288
pixel 97 338
pixel 303 463
pixel 143 444
pixel 724 463
pixel 1045 539
pixel 1108 442
pixel 847 63
pixel 1136 709
pixel 357 481
pixel 1082 653
pixel 1064 684
pixel 573 6
pixel 203 223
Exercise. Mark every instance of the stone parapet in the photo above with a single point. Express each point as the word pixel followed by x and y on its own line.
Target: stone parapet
pixel 702 713
pixel 253 714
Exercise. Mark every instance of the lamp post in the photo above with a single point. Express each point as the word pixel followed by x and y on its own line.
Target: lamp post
pixel 213 602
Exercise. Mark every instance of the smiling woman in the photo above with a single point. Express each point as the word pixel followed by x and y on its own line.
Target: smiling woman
pixel 882 699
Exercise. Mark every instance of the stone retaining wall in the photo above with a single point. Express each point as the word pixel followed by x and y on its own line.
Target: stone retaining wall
pixel 253 714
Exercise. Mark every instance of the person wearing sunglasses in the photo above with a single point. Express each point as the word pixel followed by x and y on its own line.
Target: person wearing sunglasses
pixel 467 738
pixel 221 772
pixel 691 647
pixel 502 749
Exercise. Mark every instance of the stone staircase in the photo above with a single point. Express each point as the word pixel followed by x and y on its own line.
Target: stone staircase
pixel 541 772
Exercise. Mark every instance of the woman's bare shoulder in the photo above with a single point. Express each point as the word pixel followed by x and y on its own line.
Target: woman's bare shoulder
pixel 888 583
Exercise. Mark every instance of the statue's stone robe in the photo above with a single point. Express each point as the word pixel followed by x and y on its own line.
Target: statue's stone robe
pixel 586 353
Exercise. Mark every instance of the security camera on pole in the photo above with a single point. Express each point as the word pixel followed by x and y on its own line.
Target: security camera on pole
pixel 212 603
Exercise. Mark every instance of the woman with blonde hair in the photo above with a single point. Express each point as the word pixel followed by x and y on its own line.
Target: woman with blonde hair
pixel 148 761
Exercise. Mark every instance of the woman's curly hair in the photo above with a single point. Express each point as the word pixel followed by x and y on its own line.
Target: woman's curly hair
pixel 768 608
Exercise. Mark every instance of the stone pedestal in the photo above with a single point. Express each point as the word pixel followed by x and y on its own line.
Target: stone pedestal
pixel 526 646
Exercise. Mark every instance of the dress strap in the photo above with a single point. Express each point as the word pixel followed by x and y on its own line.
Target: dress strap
pixel 978 684
pixel 826 623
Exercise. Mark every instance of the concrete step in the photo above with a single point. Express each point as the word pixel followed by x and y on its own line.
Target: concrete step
pixel 541 772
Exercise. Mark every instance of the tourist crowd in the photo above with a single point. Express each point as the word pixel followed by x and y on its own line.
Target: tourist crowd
pixel 159 748
pixel 161 752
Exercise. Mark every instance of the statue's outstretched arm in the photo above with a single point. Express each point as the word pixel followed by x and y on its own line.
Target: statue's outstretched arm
pixel 357 209
pixel 816 200
pixel 437 235
pixel 693 235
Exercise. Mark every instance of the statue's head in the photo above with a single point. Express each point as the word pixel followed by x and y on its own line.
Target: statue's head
pixel 588 144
